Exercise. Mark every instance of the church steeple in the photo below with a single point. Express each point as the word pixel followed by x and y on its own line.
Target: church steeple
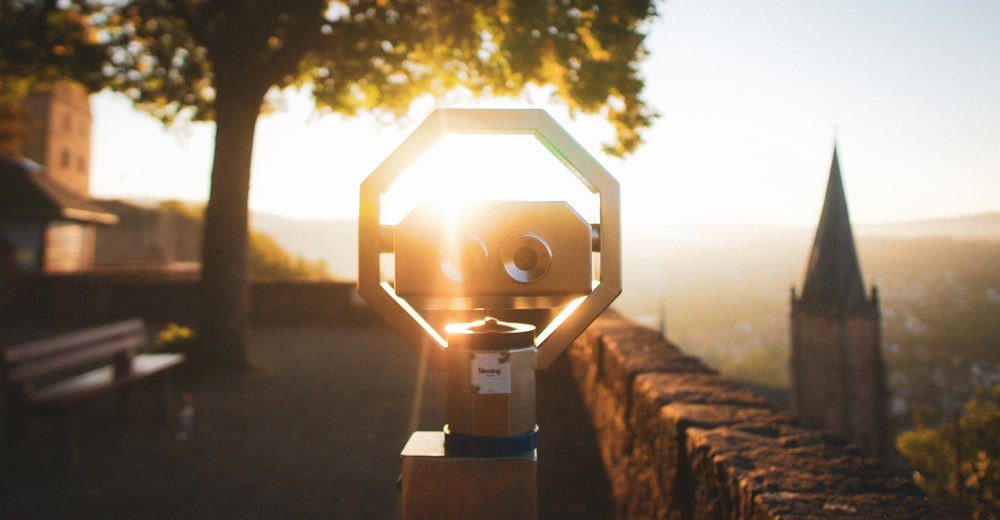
pixel 833 277
pixel 837 373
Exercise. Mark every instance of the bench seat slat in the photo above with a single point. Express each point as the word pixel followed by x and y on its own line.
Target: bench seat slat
pixel 102 380
pixel 48 346
pixel 33 369
pixel 58 373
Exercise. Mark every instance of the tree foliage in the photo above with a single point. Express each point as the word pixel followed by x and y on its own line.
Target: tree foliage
pixel 217 59
pixel 169 57
pixel 933 456
pixel 269 260
pixel 45 41
pixel 41 43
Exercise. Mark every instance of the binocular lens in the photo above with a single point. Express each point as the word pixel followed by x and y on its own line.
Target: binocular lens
pixel 465 259
pixel 526 258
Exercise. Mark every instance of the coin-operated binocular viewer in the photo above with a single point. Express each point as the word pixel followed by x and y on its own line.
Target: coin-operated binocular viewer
pixel 489 293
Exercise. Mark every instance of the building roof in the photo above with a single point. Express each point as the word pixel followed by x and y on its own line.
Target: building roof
pixel 28 194
pixel 833 277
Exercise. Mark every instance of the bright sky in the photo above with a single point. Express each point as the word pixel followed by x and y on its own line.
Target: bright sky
pixel 752 96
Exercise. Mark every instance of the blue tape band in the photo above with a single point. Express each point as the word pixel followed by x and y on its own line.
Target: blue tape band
pixel 459 445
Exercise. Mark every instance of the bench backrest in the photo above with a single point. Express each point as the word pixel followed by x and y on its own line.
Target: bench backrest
pixel 45 357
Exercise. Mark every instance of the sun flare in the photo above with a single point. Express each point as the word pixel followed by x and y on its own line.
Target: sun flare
pixel 462 170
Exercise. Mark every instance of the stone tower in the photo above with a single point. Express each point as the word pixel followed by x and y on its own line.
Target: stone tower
pixel 837 371
pixel 59 134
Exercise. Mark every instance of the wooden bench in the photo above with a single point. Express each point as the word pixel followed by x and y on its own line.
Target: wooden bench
pixel 57 375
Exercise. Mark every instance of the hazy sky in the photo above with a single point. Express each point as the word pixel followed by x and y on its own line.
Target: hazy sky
pixel 752 96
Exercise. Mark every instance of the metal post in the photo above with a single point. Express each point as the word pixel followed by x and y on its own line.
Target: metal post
pixel 484 464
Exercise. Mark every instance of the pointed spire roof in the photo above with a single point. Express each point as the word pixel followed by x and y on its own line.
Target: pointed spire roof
pixel 833 276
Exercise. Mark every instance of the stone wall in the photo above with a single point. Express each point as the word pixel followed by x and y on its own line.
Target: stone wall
pixel 680 441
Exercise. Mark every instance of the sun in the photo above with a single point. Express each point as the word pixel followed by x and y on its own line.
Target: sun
pixel 463 169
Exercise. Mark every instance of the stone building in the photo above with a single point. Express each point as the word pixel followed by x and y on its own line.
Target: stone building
pixel 48 223
pixel 59 134
pixel 147 236
pixel 837 371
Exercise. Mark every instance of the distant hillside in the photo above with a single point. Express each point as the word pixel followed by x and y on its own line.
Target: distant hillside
pixel 333 241
pixel 982 226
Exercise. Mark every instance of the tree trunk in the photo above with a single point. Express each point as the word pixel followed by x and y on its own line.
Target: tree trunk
pixel 225 279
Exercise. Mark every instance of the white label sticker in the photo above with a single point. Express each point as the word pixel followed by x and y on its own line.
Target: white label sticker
pixel 491 373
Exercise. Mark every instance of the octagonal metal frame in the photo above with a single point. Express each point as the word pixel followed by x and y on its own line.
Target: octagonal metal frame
pixel 373 241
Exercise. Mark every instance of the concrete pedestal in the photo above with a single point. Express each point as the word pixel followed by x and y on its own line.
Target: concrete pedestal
pixel 439 487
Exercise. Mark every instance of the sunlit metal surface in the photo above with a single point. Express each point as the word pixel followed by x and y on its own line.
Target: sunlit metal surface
pixel 424 331
pixel 493 256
